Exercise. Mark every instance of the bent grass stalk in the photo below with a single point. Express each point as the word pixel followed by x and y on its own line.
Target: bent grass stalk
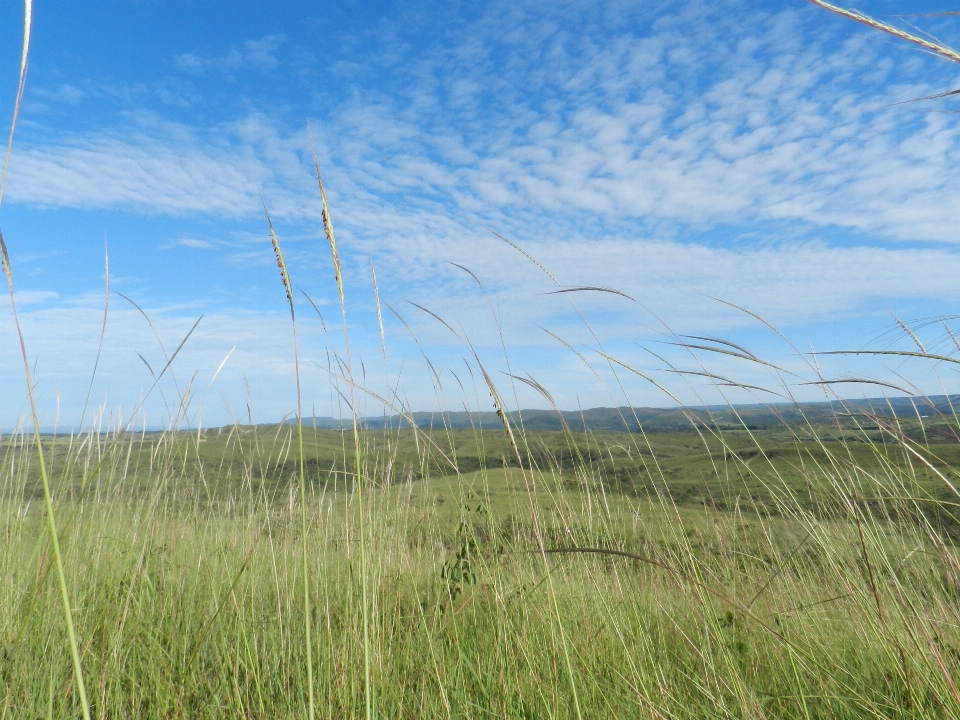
pixel 285 277
pixel 21 84
pixel 528 483
pixel 502 414
pixel 47 498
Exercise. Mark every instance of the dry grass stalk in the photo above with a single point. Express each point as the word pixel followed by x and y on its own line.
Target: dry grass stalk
pixel 934 47
pixel 8 272
pixel 288 288
pixel 335 253
pixel 25 53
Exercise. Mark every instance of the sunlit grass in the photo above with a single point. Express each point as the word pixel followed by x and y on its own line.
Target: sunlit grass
pixel 808 569
pixel 185 600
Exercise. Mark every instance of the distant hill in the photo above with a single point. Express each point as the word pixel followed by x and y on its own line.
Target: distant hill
pixel 665 419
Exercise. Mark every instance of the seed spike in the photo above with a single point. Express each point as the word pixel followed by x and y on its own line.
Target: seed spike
pixel 281 263
pixel 931 46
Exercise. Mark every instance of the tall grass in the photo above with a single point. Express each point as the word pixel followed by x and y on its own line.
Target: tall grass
pixel 804 570
pixel 360 481
pixel 8 273
pixel 301 470
pixel 808 569
pixel 574 573
pixel 832 595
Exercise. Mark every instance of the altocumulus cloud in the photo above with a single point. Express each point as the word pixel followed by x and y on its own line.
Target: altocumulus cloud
pixel 714 114
pixel 673 151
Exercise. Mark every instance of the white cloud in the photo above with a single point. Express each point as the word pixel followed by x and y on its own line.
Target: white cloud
pixel 673 281
pixel 598 142
pixel 34 297
pixel 165 169
pixel 257 54
pixel 775 134
pixel 194 243
pixel 65 93
pixel 790 283
pixel 736 123
pixel 62 342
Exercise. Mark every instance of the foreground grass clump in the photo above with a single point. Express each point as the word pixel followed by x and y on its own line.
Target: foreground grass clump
pixel 828 591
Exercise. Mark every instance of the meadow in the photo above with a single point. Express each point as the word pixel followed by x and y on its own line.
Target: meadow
pixel 706 564
pixel 779 571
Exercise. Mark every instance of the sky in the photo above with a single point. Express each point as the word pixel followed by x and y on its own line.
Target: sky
pixel 744 171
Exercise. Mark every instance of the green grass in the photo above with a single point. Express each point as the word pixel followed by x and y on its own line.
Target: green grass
pixel 800 586
pixel 752 470
pixel 806 569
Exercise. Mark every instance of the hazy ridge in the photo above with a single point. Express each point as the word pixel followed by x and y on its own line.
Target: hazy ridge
pixel 663 419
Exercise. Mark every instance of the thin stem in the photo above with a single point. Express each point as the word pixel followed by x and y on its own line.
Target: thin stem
pixel 285 277
pixel 47 498
pixel 359 479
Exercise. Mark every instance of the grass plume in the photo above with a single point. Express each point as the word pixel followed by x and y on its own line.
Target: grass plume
pixel 929 45
pixel 301 476
pixel 370 706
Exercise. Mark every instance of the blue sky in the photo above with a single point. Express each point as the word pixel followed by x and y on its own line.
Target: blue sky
pixel 673 151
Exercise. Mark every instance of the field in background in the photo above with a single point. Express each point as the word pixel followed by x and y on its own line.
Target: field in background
pixel 781 571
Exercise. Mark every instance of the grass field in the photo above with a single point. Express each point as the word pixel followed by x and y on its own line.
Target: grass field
pixel 723 569
pixel 743 574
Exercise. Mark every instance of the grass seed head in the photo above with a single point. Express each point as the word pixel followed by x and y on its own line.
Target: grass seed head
pixel 929 45
pixel 281 263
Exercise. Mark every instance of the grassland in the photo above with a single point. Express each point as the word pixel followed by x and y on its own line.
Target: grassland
pixel 774 572
pixel 724 569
